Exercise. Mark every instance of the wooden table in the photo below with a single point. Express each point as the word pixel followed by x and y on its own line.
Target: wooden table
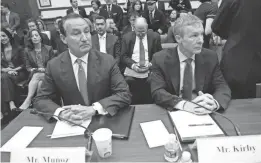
pixel 245 113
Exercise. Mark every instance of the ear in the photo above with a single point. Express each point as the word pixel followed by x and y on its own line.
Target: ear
pixel 178 38
pixel 63 38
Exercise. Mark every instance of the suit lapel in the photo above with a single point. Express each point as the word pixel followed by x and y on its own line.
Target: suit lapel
pixel 199 72
pixel 173 68
pixel 45 54
pixel 32 54
pixel 109 42
pixel 149 41
pixel 132 43
pixel 68 77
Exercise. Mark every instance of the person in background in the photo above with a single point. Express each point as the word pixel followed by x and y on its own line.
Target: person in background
pixel 36 57
pixel 42 28
pixel 115 12
pixel 112 28
pixel 12 72
pixel 128 5
pixel 160 5
pixel 115 2
pixel 97 10
pixel 238 22
pixel 188 72
pixel 130 27
pixel 137 7
pixel 56 42
pixel 105 42
pixel 155 17
pixel 207 12
pixel 9 19
pixel 172 18
pixel 76 9
pixel 181 6
pixel 103 91
pixel 138 47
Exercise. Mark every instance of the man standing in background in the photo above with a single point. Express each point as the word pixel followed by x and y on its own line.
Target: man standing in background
pixel 76 9
pixel 9 20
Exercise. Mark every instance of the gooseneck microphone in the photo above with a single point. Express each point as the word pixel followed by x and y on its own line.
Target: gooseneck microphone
pixel 87 132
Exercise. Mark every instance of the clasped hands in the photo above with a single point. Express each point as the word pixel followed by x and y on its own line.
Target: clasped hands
pixel 141 69
pixel 205 100
pixel 77 113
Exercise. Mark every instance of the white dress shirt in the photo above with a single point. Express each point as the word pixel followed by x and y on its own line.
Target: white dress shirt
pixel 96 106
pixel 76 11
pixel 136 50
pixel 102 42
pixel 7 16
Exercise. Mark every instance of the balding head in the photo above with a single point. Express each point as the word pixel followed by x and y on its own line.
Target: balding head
pixel 141 26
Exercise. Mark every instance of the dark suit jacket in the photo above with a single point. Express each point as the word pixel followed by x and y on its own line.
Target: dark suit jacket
pixel 161 6
pixel 82 12
pixel 106 85
pixel 14 21
pixel 128 43
pixel 113 46
pixel 237 21
pixel 17 58
pixel 30 57
pixel 102 12
pixel 116 14
pixel 159 21
pixel 126 29
pixel 165 78
pixel 57 43
pixel 184 6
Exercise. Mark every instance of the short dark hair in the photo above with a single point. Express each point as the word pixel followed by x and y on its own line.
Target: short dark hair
pixel 70 1
pixel 68 17
pixel 30 42
pixel 9 35
pixel 100 17
pixel 5 5
pixel 133 14
pixel 98 3
pixel 31 20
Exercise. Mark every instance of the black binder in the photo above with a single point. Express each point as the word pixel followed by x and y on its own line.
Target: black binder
pixel 120 124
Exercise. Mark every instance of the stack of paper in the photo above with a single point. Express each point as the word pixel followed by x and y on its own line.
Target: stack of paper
pixel 191 126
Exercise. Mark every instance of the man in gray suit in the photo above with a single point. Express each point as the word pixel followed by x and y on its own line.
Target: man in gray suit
pixel 88 81
pixel 9 20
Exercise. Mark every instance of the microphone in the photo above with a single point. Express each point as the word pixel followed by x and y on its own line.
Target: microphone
pixel 234 125
pixel 87 132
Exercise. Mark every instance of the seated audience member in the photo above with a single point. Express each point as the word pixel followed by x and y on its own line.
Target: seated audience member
pixel 66 77
pixel 56 41
pixel 12 71
pixel 36 57
pixel 105 42
pixel 76 9
pixel 32 25
pixel 207 12
pixel 115 12
pixel 97 10
pixel 9 19
pixel 172 18
pixel 136 53
pixel 160 5
pixel 130 27
pixel 137 7
pixel 181 6
pixel 155 17
pixel 112 28
pixel 188 72
pixel 42 28
pixel 128 5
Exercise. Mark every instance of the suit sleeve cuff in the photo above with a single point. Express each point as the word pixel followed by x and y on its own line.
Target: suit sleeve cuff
pixel 218 106
pixel 57 113
pixel 98 107
pixel 180 105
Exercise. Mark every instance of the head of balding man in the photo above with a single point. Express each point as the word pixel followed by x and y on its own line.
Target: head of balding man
pixel 141 27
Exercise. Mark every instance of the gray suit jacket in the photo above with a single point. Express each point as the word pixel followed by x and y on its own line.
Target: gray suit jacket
pixel 14 21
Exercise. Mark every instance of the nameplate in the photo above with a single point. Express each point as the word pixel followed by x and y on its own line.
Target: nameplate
pixel 234 149
pixel 48 155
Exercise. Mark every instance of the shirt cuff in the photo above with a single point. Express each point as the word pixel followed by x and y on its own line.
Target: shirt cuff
pixel 180 105
pixel 98 107
pixel 57 113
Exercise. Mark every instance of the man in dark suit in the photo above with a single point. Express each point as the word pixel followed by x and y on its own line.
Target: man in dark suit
pixel 160 5
pixel 188 72
pixel 155 17
pixel 136 53
pixel 105 42
pixel 9 20
pixel 76 9
pixel 115 12
pixel 88 81
pixel 238 23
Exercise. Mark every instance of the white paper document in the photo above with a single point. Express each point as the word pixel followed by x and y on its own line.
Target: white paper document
pixel 63 129
pixel 132 73
pixel 155 133
pixel 21 139
pixel 191 126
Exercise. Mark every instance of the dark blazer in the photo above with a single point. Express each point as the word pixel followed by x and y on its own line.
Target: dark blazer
pixel 159 21
pixel 116 14
pixel 57 43
pixel 102 12
pixel 126 29
pixel 14 21
pixel 238 23
pixel 30 57
pixel 128 43
pixel 113 47
pixel 183 6
pixel 161 6
pixel 170 36
pixel 106 85
pixel 165 78
pixel 17 58
pixel 82 12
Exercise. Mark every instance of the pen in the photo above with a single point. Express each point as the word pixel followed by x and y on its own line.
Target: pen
pixel 203 124
pixel 119 136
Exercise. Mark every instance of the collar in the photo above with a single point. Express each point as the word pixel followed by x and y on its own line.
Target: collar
pixel 8 13
pixel 182 57
pixel 144 38
pixel 75 9
pixel 83 58
pixel 103 36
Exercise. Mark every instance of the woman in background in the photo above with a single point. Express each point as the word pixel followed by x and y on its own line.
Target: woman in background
pixel 137 7
pixel 36 57
pixel 42 28
pixel 172 18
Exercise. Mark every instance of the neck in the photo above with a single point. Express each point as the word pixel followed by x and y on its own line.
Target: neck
pixel 97 10
pixel 7 45
pixel 184 51
pixel 37 46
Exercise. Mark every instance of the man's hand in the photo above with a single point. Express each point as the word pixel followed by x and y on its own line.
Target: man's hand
pixel 32 69
pixel 85 112
pixel 207 101
pixel 69 115
pixel 12 73
pixel 193 108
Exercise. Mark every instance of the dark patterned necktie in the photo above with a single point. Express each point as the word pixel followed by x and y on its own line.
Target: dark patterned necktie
pixel 151 17
pixel 142 53
pixel 82 82
pixel 187 81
